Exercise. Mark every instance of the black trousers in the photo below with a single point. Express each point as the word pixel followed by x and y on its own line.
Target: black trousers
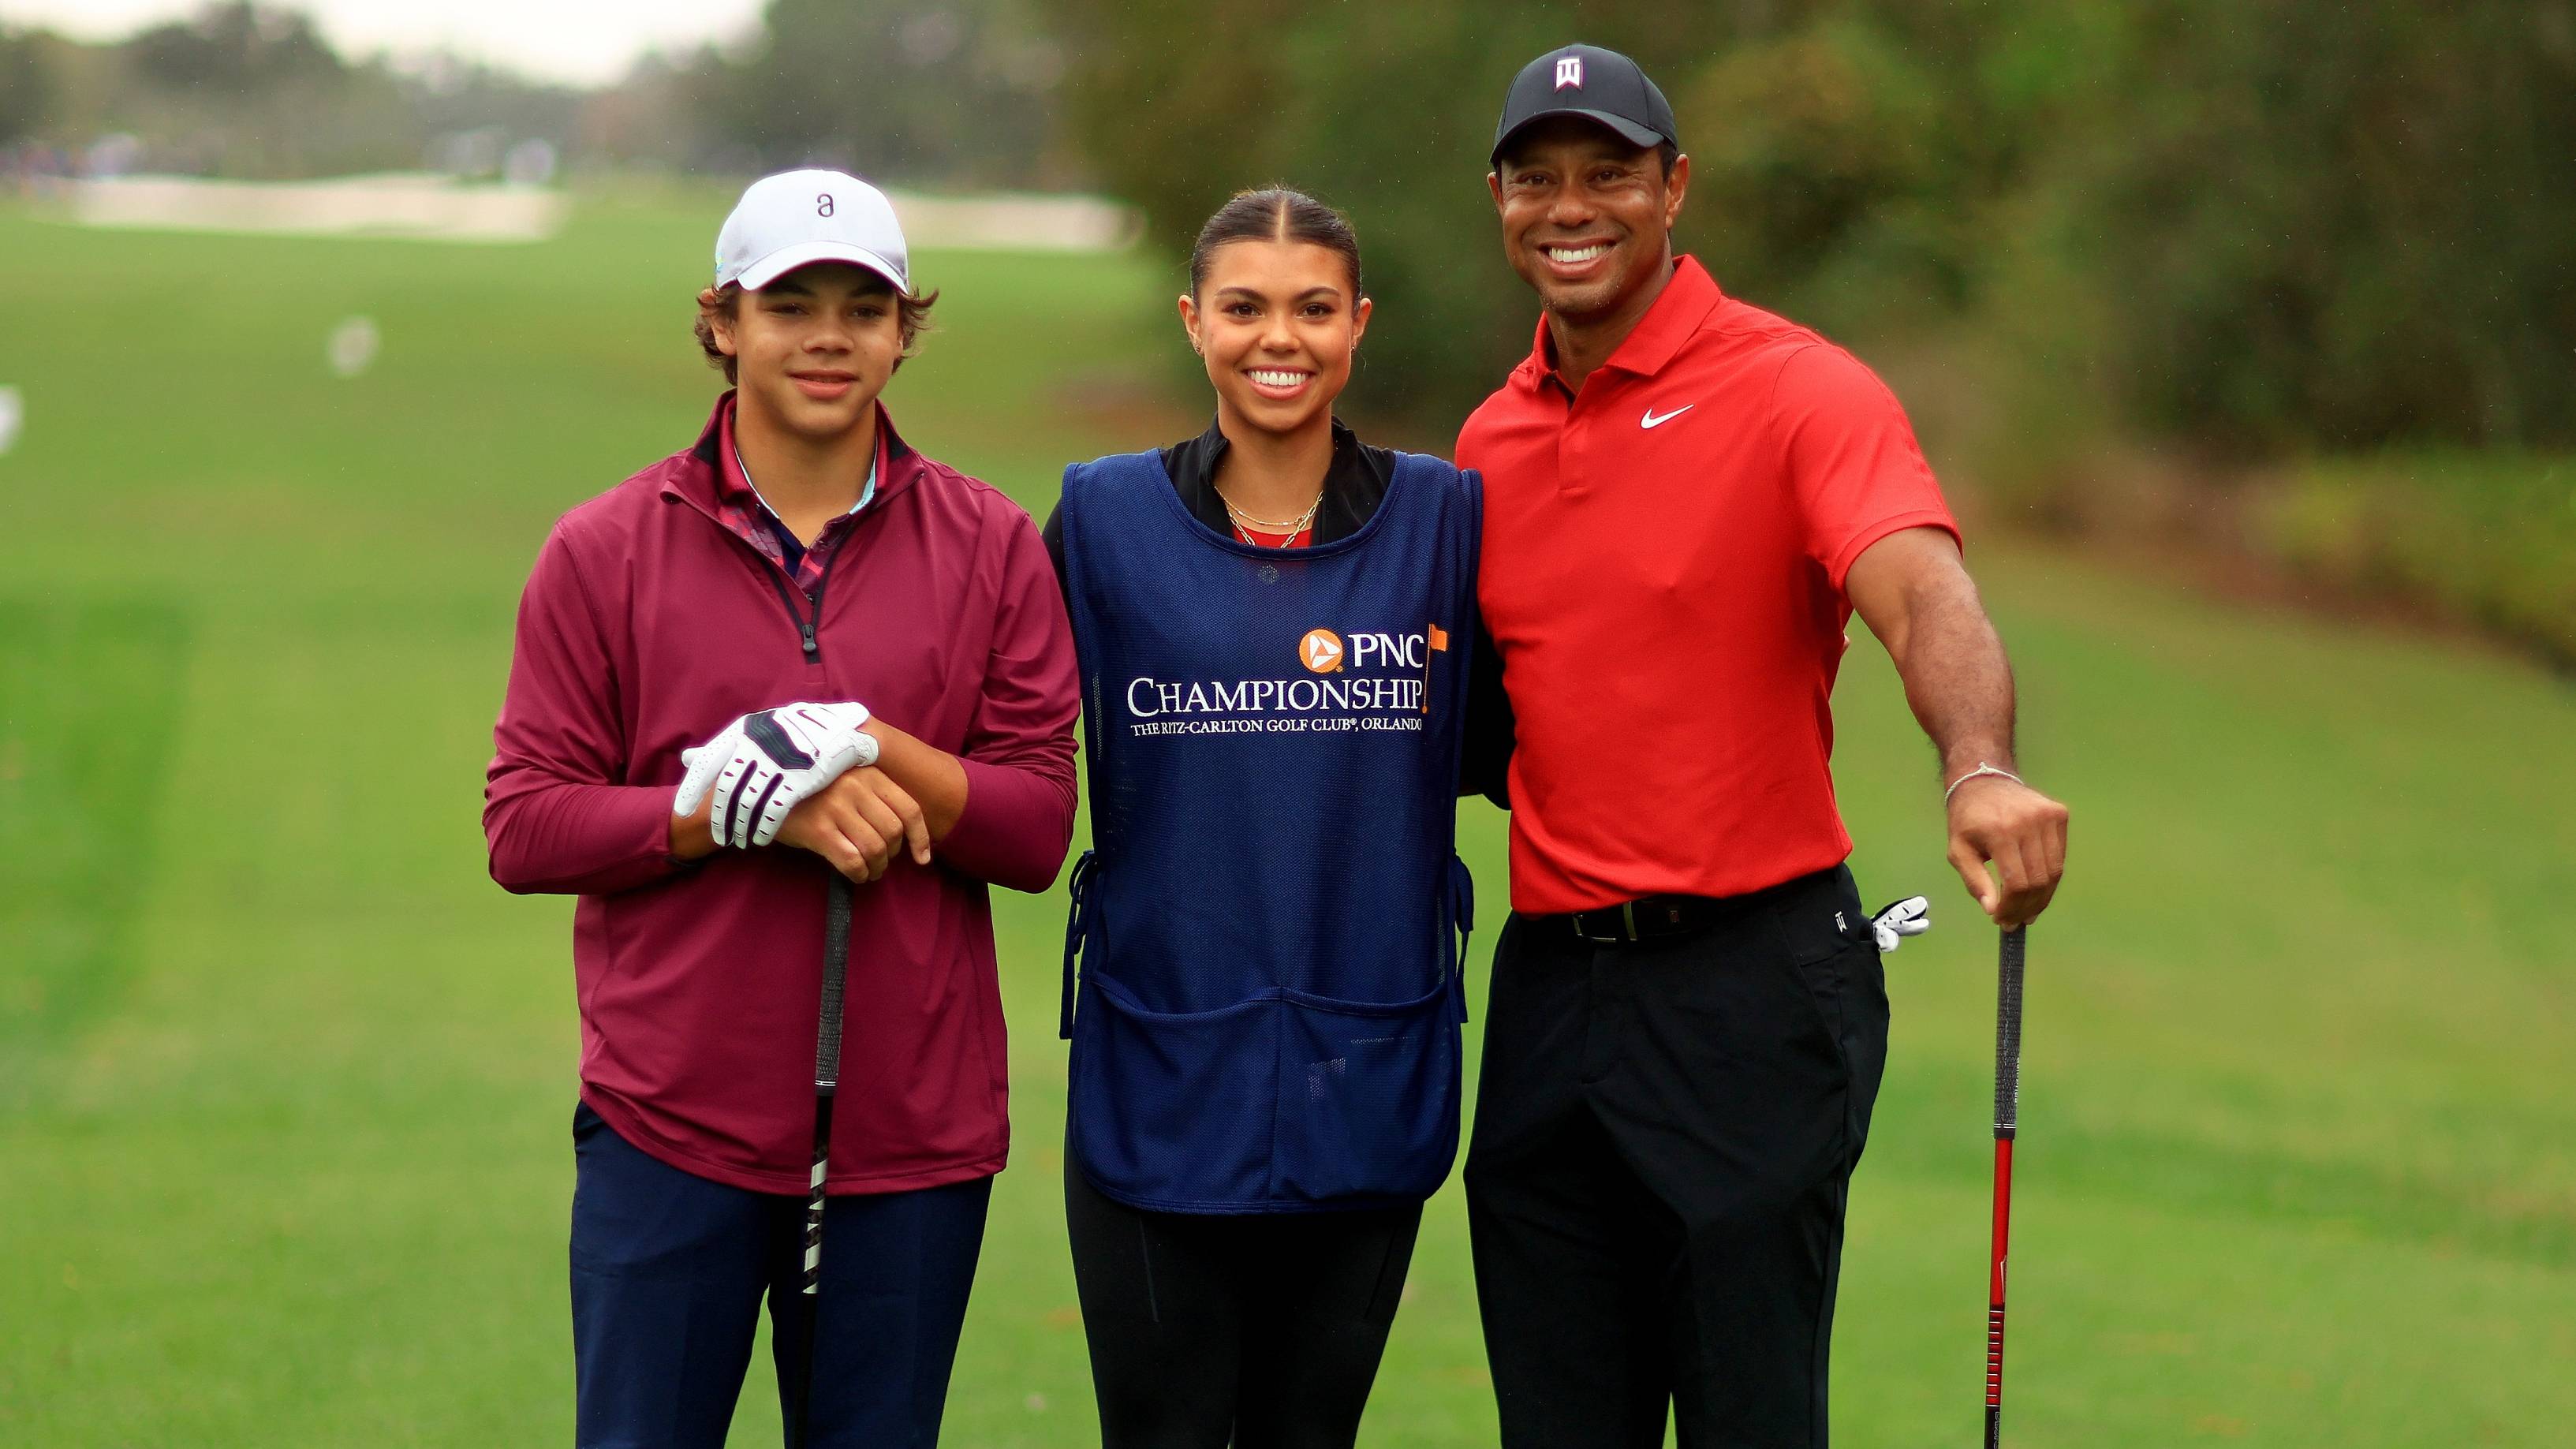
pixel 1258 1330
pixel 1655 1183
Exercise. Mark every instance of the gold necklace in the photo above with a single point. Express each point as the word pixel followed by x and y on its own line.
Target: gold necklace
pixel 1269 525
pixel 1245 534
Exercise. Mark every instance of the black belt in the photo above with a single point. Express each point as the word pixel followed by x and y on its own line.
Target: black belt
pixel 1646 918
pixel 1655 918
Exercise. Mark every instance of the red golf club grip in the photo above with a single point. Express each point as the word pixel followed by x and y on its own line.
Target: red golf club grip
pixel 1995 1289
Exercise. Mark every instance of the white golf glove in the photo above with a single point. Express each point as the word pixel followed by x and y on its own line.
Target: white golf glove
pixel 764 763
pixel 1911 916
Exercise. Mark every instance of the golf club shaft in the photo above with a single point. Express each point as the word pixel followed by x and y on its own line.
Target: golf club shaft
pixel 827 1082
pixel 2007 1120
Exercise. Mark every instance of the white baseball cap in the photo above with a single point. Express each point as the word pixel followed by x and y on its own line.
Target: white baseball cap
pixel 797 218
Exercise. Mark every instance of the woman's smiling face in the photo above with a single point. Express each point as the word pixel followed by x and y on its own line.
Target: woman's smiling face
pixel 1277 322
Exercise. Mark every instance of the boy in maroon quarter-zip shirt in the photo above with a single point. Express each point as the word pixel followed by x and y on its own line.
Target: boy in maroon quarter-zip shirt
pixel 795 648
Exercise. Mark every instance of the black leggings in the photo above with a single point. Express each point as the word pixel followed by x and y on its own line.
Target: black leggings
pixel 1259 1330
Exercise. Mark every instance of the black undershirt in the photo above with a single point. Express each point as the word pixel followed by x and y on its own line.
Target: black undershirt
pixel 1355 482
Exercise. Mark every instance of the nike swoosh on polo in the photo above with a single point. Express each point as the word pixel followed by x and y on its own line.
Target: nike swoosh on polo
pixel 1651 421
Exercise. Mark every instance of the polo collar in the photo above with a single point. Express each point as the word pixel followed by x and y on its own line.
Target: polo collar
pixel 894 471
pixel 733 477
pixel 1677 312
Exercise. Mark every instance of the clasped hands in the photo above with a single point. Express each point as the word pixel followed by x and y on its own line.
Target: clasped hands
pixel 801 775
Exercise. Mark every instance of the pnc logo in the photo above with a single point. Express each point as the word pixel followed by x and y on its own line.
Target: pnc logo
pixel 1324 652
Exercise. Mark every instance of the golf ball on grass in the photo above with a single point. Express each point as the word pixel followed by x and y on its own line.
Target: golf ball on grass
pixel 12 413
pixel 353 346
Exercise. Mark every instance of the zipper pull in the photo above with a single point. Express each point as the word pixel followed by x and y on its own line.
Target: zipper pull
pixel 813 651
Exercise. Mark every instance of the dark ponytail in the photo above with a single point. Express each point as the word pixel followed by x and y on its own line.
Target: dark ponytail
pixel 1276 213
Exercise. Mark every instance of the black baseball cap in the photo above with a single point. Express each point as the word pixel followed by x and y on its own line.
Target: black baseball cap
pixel 1587 81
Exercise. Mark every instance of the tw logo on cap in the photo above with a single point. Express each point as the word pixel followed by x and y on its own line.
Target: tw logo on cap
pixel 1569 72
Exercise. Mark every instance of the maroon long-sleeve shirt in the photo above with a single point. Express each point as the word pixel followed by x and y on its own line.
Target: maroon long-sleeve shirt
pixel 647 625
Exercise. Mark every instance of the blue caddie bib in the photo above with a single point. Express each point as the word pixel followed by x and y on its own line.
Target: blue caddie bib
pixel 1269 923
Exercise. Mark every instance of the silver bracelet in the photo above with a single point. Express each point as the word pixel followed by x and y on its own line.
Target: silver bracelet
pixel 1982 769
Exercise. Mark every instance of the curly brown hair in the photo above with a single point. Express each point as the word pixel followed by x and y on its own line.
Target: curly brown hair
pixel 913 317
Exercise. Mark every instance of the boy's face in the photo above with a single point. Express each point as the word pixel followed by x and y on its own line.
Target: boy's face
pixel 814 348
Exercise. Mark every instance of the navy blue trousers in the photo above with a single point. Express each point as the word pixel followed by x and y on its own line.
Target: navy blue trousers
pixel 668 1273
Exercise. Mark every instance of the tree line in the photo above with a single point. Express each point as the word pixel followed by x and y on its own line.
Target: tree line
pixel 2257 225
pixel 2263 227
pixel 960 95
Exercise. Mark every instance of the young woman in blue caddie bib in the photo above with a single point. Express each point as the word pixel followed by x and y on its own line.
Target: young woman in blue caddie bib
pixel 1274 623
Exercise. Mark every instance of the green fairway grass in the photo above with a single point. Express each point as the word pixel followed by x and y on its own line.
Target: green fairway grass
pixel 285 1081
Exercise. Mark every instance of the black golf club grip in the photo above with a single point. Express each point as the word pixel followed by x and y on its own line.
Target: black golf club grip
pixel 827 1081
pixel 836 971
pixel 2008 1033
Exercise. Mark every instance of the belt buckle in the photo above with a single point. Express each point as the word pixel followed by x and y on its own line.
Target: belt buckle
pixel 1627 922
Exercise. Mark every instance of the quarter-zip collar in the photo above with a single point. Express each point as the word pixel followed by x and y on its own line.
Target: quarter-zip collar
pixel 706 479
pixel 749 515
pixel 698 481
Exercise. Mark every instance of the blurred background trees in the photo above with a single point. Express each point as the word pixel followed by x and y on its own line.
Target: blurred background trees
pixel 2230 236
pixel 2294 223
pixel 957 96
pixel 247 91
pixel 2294 277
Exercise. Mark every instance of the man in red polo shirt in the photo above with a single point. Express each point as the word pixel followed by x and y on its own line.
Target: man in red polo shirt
pixel 1685 500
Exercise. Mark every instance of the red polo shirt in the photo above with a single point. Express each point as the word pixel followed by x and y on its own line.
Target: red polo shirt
pixel 1663 566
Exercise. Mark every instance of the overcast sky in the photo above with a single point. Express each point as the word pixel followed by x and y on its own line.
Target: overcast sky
pixel 579 41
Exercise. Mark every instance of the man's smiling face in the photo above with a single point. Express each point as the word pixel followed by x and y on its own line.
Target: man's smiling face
pixel 1587 217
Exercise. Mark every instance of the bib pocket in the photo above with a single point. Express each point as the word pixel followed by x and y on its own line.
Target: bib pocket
pixel 1368 1097
pixel 1169 1108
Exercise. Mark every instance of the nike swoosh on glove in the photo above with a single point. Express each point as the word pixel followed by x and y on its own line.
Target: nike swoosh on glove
pixel 764 764
pixel 1911 916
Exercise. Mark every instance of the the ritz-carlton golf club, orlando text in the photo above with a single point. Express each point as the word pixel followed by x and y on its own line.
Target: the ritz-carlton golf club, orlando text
pixel 1330 699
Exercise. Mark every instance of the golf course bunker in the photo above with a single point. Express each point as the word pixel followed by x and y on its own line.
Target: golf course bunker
pixel 429 206
pixel 1016 222
pixel 422 206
